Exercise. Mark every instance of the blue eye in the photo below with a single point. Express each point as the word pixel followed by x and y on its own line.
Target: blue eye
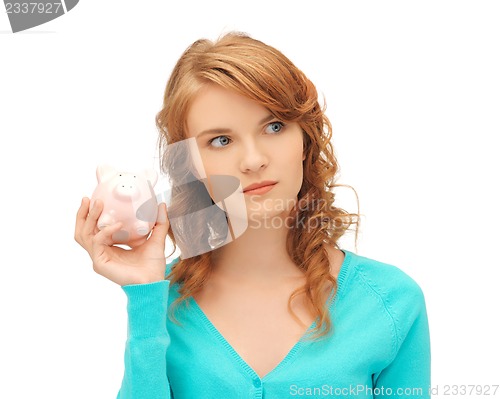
pixel 222 140
pixel 274 127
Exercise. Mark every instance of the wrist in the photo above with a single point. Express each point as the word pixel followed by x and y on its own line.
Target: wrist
pixel 150 279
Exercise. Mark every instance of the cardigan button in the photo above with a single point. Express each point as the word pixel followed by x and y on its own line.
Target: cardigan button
pixel 257 383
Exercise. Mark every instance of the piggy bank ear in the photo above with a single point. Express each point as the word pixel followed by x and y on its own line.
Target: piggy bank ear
pixel 151 175
pixel 104 172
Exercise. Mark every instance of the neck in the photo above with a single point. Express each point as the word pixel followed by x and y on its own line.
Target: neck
pixel 259 254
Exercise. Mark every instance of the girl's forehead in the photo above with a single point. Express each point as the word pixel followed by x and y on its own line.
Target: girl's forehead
pixel 219 108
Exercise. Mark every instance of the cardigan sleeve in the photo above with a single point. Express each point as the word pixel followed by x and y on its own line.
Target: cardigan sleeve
pixel 145 375
pixel 409 373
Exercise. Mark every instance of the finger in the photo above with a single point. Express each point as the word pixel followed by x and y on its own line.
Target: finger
pixel 89 227
pixel 104 239
pixel 162 225
pixel 81 216
pixel 101 255
pixel 138 242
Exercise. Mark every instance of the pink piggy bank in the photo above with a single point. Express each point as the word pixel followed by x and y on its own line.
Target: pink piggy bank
pixel 128 198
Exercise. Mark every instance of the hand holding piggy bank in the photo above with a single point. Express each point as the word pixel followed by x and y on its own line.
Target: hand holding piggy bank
pixel 128 198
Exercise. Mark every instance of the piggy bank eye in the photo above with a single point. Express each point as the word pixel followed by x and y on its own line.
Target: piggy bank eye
pixel 119 175
pixel 134 176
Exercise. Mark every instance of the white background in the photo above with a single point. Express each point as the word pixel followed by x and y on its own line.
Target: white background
pixel 413 92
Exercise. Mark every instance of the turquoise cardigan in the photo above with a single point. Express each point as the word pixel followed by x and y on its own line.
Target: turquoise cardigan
pixel 380 346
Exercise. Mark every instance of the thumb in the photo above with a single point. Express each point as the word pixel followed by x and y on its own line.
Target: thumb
pixel 162 225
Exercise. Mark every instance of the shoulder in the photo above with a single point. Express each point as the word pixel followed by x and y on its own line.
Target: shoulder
pixel 388 280
pixel 398 293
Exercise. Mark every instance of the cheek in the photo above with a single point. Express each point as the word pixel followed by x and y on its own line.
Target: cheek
pixel 295 156
pixel 214 166
pixel 292 165
pixel 296 146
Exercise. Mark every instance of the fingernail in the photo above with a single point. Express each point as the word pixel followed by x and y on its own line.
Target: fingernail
pixel 162 216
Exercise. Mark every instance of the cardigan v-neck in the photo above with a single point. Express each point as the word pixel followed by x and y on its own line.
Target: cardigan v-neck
pixel 291 354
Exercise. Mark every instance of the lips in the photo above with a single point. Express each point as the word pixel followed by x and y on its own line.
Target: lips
pixel 259 185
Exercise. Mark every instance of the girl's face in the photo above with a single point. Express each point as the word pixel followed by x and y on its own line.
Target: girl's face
pixel 237 136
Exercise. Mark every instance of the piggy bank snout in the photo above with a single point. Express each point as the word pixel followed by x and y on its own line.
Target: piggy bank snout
pixel 127 187
pixel 126 190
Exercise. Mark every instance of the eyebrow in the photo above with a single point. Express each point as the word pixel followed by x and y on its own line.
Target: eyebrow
pixel 222 130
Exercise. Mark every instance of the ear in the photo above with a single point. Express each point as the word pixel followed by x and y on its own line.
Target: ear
pixel 104 172
pixel 151 175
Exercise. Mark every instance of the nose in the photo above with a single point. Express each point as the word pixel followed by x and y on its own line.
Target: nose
pixel 253 158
